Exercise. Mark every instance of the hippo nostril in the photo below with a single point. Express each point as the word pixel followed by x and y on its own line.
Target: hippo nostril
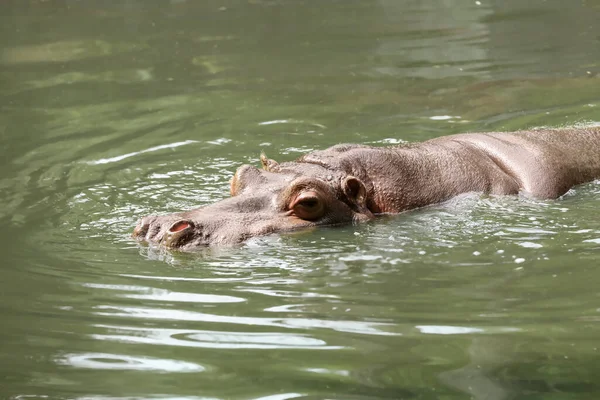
pixel 178 233
pixel 180 226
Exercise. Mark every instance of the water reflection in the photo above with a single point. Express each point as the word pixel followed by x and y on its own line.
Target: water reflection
pixel 462 330
pixel 282 396
pixel 448 330
pixel 185 278
pixel 63 51
pixel 151 149
pixel 148 397
pixel 212 339
pixel 361 327
pixel 465 54
pixel 166 295
pixel 126 362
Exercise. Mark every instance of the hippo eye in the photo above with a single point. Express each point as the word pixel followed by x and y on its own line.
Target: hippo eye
pixel 308 206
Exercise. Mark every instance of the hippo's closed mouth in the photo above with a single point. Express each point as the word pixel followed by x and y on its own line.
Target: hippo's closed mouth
pixel 353 183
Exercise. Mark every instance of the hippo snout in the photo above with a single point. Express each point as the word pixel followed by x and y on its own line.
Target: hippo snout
pixel 142 227
pixel 168 232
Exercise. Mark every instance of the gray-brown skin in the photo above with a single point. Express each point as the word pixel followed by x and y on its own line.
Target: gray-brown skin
pixel 354 183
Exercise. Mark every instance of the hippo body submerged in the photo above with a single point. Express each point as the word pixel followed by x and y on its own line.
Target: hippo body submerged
pixel 353 183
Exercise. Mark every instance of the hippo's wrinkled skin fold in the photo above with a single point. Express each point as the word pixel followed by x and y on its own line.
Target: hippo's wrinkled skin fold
pixel 352 183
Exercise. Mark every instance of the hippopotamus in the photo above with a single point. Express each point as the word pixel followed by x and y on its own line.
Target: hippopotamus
pixel 350 183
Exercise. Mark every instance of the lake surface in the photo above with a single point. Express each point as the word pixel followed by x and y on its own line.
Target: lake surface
pixel 109 112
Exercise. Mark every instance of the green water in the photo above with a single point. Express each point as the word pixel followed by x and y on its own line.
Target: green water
pixel 109 112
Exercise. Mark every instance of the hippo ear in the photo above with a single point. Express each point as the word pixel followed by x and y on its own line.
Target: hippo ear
pixel 355 191
pixel 268 165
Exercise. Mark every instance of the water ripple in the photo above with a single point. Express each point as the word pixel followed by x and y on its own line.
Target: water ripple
pixel 135 153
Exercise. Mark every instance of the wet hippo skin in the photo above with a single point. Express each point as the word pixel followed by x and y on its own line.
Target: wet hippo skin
pixel 352 183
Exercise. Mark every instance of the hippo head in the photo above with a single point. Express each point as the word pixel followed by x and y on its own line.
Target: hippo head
pixel 279 198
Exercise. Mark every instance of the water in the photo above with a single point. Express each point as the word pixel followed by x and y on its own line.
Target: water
pixel 111 112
